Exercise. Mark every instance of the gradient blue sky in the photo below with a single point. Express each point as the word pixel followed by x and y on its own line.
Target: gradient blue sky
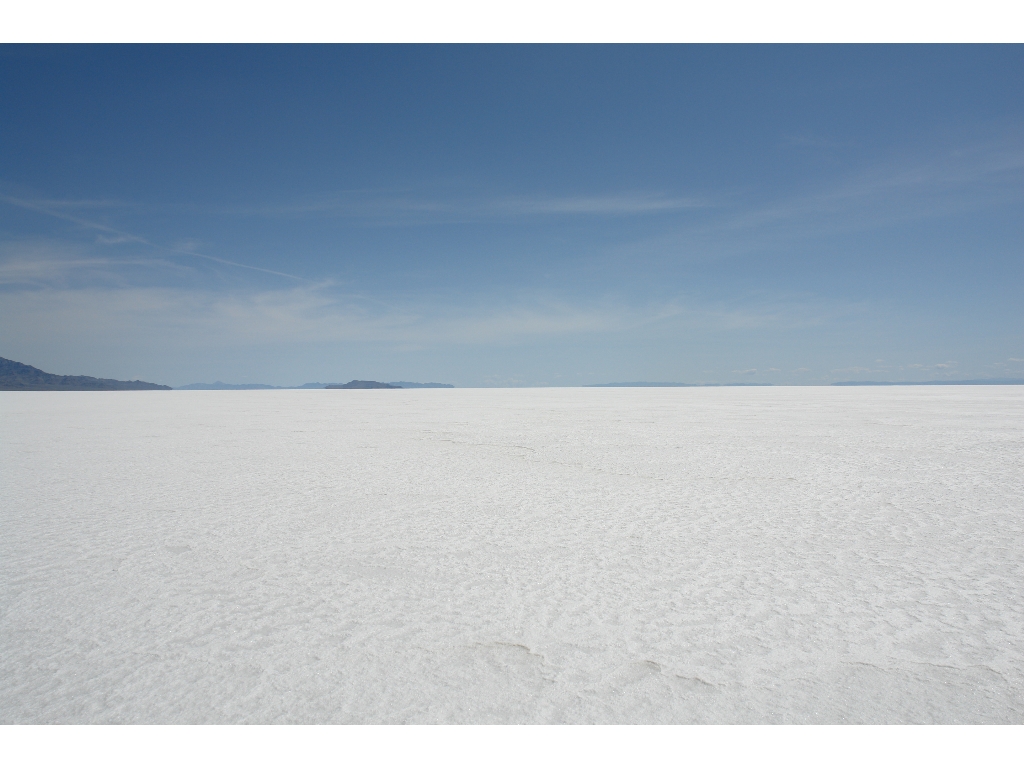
pixel 513 215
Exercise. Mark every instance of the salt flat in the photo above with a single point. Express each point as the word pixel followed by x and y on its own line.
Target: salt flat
pixel 767 555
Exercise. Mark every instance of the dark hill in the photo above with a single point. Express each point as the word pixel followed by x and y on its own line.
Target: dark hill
pixel 354 384
pixel 18 376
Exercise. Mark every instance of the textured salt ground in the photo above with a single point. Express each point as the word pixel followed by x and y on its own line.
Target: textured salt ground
pixel 556 555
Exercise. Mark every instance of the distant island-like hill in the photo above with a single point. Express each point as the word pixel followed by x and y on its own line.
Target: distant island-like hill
pixel 355 384
pixel 15 376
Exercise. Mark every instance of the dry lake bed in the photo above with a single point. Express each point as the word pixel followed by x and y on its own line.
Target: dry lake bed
pixel 726 555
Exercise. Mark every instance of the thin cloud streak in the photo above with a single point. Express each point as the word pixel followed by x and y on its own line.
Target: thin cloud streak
pixel 317 314
pixel 623 205
pixel 911 192
pixel 965 180
pixel 400 210
pixel 44 273
pixel 298 316
pixel 120 236
pixel 76 204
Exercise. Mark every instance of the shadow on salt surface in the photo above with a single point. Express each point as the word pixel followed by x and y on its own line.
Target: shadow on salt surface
pixel 502 682
pixel 643 692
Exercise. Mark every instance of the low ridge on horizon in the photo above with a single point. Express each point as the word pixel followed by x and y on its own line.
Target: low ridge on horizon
pixel 934 382
pixel 674 384
pixel 358 384
pixel 15 376
pixel 220 385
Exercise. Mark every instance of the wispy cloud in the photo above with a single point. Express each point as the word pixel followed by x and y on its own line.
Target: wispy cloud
pixel 955 180
pixel 947 368
pixel 58 210
pixel 937 184
pixel 84 205
pixel 44 273
pixel 109 235
pixel 321 313
pixel 295 316
pixel 43 263
pixel 615 205
pixel 383 207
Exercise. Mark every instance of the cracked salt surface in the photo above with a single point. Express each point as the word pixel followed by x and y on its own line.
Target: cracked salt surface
pixel 547 555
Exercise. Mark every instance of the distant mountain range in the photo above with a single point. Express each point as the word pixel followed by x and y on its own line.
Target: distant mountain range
pixel 355 384
pixel 15 376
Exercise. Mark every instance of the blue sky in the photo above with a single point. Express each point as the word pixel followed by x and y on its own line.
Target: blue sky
pixel 513 215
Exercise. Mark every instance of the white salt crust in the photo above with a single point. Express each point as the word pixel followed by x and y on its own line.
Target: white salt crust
pixel 767 555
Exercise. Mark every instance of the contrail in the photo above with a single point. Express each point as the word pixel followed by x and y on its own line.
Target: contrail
pixel 29 205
